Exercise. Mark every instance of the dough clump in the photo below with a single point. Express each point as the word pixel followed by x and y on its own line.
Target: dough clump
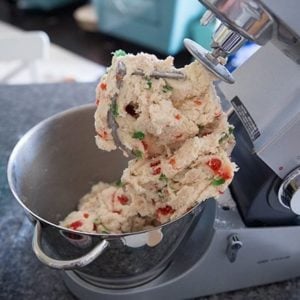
pixel 180 138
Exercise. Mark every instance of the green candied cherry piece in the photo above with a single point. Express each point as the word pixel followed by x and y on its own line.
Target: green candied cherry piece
pixel 119 53
pixel 226 135
pixel 119 183
pixel 167 88
pixel 163 177
pixel 223 138
pixel 114 109
pixel 218 181
pixel 139 135
pixel 149 83
pixel 137 153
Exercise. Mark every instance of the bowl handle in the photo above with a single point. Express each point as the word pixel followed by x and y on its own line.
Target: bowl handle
pixel 64 264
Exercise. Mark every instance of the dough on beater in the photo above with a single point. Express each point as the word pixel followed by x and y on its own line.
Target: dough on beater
pixel 181 139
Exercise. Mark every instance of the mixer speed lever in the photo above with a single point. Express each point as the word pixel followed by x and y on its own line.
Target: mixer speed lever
pixel 233 247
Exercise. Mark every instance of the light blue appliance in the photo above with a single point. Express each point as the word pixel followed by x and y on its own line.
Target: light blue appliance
pixel 158 24
pixel 42 4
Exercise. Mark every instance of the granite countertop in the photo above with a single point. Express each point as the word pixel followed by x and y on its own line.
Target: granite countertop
pixel 22 276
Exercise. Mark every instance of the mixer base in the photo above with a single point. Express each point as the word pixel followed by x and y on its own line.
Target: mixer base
pixel 203 266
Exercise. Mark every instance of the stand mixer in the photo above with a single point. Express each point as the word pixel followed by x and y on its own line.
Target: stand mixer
pixel 254 243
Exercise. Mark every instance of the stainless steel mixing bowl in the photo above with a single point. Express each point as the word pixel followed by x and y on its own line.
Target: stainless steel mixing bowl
pixel 49 170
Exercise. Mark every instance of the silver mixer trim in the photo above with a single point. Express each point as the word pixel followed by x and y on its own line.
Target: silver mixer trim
pixel 289 191
pixel 227 40
pixel 248 17
pixel 207 17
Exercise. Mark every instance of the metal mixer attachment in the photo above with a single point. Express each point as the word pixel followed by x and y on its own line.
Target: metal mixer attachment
pixel 225 41
pixel 210 61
